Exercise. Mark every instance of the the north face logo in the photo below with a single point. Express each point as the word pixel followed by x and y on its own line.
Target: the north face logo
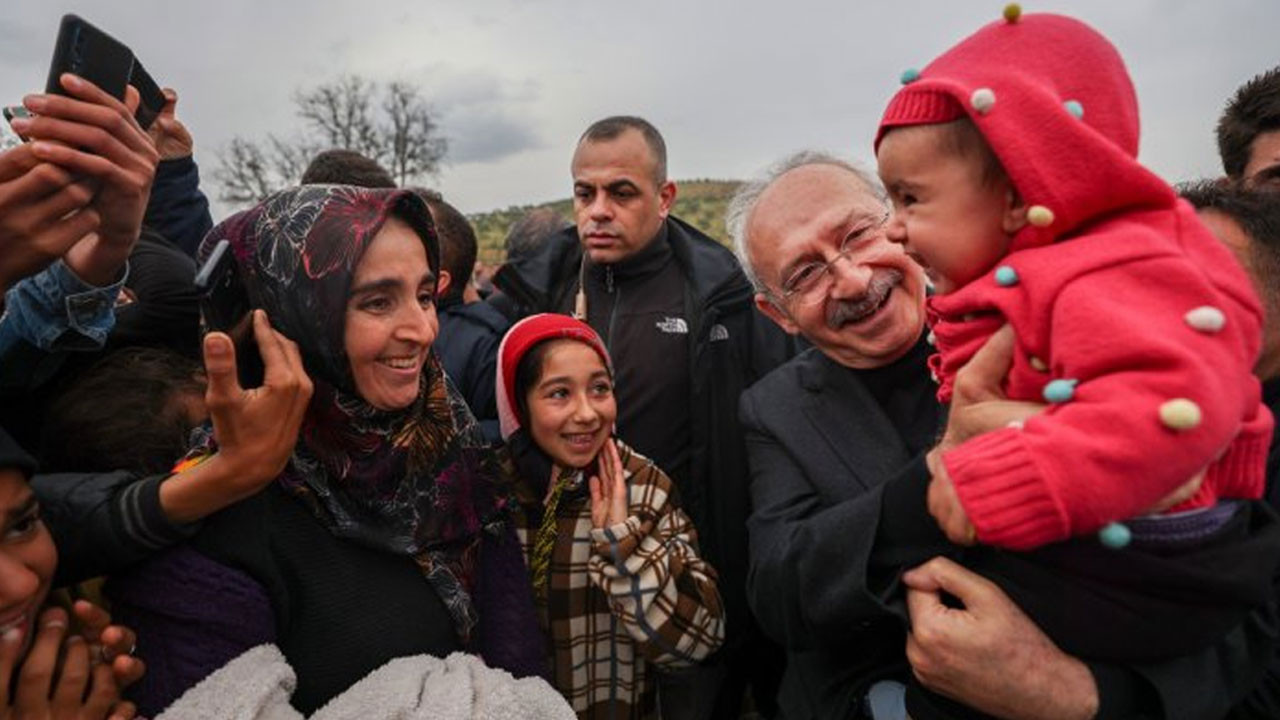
pixel 673 325
pixel 719 332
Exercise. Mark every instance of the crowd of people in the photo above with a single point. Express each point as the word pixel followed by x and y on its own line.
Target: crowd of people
pixel 987 433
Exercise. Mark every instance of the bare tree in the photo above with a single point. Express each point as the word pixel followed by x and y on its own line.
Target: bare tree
pixel 411 134
pixel 244 172
pixel 400 132
pixel 340 115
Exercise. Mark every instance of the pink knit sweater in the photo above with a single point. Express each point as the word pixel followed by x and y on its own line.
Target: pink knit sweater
pixel 1108 310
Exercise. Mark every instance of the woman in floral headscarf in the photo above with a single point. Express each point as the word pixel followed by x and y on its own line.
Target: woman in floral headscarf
pixel 385 535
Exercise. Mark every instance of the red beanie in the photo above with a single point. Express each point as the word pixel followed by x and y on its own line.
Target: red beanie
pixel 519 340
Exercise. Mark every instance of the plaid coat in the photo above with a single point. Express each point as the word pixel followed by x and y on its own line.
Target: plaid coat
pixel 625 598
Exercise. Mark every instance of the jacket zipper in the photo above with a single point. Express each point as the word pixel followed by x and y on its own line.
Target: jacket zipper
pixel 613 309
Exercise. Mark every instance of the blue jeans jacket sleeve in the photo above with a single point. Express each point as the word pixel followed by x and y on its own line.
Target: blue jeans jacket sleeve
pixel 55 310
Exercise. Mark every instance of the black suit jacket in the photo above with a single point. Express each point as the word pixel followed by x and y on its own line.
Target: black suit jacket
pixel 820 451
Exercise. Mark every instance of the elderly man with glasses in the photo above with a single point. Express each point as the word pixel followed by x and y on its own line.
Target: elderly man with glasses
pixel 836 440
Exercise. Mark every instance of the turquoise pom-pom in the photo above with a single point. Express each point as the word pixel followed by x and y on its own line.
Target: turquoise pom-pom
pixel 1060 391
pixel 1006 276
pixel 1115 535
pixel 1074 107
pixel 909 76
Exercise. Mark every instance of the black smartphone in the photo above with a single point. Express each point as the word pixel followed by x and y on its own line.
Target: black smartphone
pixel 223 301
pixel 85 50
pixel 149 92
pixel 225 307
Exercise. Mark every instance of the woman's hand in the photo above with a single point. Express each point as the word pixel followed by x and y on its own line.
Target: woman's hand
pixel 609 488
pixel 80 690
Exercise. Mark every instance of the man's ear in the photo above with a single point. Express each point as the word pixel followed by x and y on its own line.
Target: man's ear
pixel 779 316
pixel 666 198
pixel 443 283
pixel 1015 210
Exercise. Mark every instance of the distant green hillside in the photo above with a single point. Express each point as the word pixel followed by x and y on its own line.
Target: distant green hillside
pixel 700 203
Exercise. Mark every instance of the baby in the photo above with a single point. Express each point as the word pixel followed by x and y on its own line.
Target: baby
pixel 1011 164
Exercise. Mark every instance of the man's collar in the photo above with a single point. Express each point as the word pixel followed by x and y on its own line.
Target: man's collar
pixel 648 259
pixel 813 375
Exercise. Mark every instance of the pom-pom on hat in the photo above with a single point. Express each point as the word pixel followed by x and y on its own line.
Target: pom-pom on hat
pixel 519 340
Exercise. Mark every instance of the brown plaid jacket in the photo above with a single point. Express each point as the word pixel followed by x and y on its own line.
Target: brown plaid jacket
pixel 622 598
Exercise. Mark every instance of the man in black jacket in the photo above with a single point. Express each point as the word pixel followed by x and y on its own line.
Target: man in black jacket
pixel 675 311
pixel 836 439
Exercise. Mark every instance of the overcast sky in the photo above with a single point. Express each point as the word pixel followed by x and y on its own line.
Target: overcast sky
pixel 732 85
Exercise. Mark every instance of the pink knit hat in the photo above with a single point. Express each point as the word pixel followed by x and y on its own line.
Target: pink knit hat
pixel 1053 99
pixel 519 340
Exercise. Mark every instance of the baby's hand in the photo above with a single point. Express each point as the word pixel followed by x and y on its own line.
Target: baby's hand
pixel 944 504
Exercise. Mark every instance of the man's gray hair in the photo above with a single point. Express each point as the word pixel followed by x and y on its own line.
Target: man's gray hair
pixel 744 201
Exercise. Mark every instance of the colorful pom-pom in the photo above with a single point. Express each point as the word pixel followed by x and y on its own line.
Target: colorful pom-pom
pixel 1180 414
pixel 1012 12
pixel 1039 216
pixel 909 76
pixel 983 100
pixel 1115 535
pixel 1075 108
pixel 1006 276
pixel 1206 319
pixel 1061 390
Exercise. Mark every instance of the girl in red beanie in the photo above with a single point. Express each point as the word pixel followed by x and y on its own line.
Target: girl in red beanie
pixel 613 559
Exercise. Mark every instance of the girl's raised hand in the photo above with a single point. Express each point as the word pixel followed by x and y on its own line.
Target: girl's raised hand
pixel 608 488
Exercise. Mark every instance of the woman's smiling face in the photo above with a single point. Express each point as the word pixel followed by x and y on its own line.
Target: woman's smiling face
pixel 571 407
pixel 390 317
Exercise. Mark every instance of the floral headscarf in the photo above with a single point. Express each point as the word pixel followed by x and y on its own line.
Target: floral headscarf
pixel 418 481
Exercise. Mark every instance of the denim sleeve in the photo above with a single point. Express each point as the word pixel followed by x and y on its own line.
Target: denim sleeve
pixel 56 310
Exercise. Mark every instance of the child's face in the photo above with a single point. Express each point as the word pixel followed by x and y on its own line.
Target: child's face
pixel 947 218
pixel 571 407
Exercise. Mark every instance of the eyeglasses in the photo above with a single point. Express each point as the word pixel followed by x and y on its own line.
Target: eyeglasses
pixel 810 282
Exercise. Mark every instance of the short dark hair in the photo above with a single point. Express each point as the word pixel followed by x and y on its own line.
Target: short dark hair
pixel 961 137
pixel 1256 210
pixel 533 228
pixel 126 412
pixel 611 127
pixel 346 167
pixel 458 245
pixel 1253 110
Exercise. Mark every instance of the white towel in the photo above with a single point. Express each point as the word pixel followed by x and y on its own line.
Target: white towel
pixel 257 686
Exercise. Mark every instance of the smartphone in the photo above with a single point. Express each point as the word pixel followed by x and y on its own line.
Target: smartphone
pixel 152 97
pixel 87 51
pixel 223 301
pixel 13 112
pixel 225 307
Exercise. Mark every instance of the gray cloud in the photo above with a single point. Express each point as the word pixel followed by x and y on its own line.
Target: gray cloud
pixel 733 84
pixel 486 135
pixel 19 43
